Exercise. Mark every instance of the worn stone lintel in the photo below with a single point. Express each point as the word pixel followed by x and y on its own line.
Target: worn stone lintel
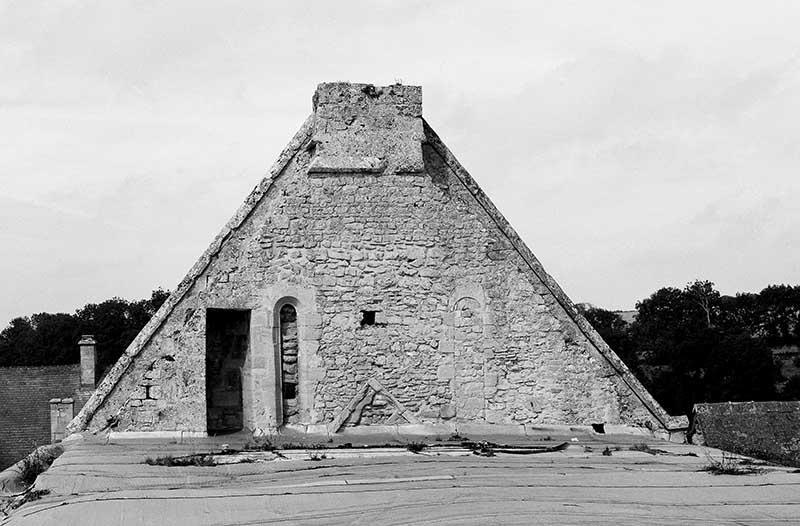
pixel 328 164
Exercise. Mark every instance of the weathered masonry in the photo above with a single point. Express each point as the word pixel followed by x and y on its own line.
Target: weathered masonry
pixel 367 281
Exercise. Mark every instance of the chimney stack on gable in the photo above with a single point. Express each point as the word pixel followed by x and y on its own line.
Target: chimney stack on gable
pixel 88 347
pixel 361 128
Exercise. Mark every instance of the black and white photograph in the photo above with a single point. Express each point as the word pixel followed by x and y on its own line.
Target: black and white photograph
pixel 418 262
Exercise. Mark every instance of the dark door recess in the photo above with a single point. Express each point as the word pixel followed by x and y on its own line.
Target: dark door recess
pixel 227 342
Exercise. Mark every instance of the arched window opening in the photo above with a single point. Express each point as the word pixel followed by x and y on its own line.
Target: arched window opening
pixel 288 348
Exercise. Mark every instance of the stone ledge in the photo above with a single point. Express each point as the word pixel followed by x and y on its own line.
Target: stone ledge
pixel 139 435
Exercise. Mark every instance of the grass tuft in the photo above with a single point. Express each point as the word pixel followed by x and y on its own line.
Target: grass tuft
pixel 644 448
pixel 259 444
pixel 316 456
pixel 729 465
pixel 482 448
pixel 188 460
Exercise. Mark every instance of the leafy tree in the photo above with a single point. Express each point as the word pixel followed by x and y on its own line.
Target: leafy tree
pixel 613 329
pixel 778 314
pixel 16 340
pixel 116 322
pixel 55 337
pixel 694 345
pixel 51 339
pixel 667 317
pixel 738 313
pixel 706 297
pixel 740 368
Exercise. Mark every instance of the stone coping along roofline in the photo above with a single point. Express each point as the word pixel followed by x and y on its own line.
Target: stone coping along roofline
pixel 301 138
pixel 110 381
pixel 671 423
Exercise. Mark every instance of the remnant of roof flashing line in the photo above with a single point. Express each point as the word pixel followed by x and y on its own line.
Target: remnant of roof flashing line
pixel 535 266
pixel 111 380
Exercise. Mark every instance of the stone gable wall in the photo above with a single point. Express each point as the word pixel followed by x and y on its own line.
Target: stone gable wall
pixel 463 329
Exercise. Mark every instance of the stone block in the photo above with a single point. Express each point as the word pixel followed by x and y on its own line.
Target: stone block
pixel 445 372
pixel 447 411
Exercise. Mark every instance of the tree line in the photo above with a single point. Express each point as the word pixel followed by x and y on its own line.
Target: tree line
pixel 694 345
pixel 686 345
pixel 52 339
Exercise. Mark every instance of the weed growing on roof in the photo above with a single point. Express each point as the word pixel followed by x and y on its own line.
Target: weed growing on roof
pixel 415 447
pixel 644 448
pixel 300 445
pixel 11 503
pixel 29 470
pixel 729 465
pixel 482 448
pixel 37 463
pixel 188 460
pixel 754 462
pixel 317 456
pixel 259 444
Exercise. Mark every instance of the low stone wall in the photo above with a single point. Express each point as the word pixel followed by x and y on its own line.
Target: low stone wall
pixel 766 430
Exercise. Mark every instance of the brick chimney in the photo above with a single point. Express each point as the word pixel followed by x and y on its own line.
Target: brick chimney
pixel 361 128
pixel 88 347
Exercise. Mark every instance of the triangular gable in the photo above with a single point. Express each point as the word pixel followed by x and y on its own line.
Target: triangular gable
pixel 302 138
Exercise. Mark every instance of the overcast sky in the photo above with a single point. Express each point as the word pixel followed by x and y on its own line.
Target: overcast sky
pixel 633 145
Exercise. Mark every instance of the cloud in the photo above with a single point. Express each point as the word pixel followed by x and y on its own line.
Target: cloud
pixel 631 144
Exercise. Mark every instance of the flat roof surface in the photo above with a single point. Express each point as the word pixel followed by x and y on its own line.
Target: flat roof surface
pixel 106 483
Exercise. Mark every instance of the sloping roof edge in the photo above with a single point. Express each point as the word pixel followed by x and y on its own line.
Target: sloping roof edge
pixel 669 422
pixel 113 377
pixel 111 380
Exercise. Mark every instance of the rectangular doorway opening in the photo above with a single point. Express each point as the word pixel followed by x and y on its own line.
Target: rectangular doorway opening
pixel 227 344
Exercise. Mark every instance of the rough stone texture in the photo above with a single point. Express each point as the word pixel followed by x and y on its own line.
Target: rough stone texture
pixel 768 430
pixel 289 351
pixel 361 128
pixel 62 411
pixel 25 394
pixel 467 325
